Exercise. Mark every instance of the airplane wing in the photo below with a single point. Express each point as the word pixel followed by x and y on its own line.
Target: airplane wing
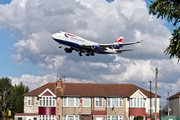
pixel 120 44
pixel 105 46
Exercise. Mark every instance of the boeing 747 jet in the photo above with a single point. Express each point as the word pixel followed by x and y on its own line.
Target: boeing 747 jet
pixel 89 48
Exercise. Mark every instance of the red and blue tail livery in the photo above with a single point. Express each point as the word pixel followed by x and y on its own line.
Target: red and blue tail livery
pixel 87 47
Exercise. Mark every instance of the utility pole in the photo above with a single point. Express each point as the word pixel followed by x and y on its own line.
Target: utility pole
pixel 156 92
pixel 150 100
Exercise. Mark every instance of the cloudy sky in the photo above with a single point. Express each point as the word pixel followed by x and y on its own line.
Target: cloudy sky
pixel 28 54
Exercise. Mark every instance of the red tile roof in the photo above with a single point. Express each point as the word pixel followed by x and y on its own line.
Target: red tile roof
pixel 90 90
pixel 177 95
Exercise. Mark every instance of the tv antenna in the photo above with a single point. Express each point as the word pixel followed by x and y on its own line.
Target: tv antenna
pixel 60 75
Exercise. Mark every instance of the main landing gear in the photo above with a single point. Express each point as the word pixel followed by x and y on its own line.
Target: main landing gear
pixel 87 54
pixel 80 54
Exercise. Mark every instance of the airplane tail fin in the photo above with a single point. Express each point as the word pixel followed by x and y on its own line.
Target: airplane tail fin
pixel 119 40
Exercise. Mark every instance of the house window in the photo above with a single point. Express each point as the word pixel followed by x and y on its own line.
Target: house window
pixel 47 117
pixel 70 117
pixel 137 102
pixel 98 102
pixel 31 101
pixel 114 117
pixel 152 101
pixel 131 118
pixel 114 102
pixel 19 118
pixel 150 111
pixel 70 102
pixel 47 101
pixel 86 102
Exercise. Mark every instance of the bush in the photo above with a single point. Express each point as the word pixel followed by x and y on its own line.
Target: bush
pixel 138 118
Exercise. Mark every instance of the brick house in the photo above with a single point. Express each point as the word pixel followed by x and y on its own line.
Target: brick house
pixel 174 104
pixel 87 101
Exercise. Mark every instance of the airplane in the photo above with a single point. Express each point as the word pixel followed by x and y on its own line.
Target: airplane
pixel 89 48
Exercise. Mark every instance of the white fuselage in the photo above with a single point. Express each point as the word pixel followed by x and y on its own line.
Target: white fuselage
pixel 79 43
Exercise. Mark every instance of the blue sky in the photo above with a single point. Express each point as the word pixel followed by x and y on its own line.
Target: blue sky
pixel 10 67
pixel 29 55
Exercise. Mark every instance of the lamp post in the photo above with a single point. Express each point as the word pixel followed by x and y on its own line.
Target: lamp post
pixel 150 99
pixel 168 104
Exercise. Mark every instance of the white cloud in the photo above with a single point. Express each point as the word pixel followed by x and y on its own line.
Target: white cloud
pixel 35 21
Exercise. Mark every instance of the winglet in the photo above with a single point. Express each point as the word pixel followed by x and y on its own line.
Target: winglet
pixel 139 41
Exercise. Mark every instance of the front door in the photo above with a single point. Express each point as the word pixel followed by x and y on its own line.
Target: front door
pixel 85 117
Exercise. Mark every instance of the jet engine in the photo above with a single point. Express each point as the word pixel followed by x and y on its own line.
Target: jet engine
pixel 116 46
pixel 68 50
pixel 96 47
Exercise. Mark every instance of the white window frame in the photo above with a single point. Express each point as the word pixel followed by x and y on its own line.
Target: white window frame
pixel 115 117
pixel 152 101
pixel 86 100
pixel 131 118
pixel 111 100
pixel 47 117
pixel 98 100
pixel 137 102
pixel 152 111
pixel 31 101
pixel 47 101
pixel 75 117
pixel 66 102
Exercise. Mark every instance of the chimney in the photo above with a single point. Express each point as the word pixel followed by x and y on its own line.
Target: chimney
pixel 59 83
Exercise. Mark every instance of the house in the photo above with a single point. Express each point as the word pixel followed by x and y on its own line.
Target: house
pixel 174 104
pixel 87 101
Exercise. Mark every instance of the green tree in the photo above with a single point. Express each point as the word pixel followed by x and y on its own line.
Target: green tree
pixel 5 90
pixel 17 99
pixel 11 97
pixel 170 10
pixel 138 118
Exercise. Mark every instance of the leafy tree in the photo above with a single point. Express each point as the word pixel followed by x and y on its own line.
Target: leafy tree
pixel 138 118
pixel 170 10
pixel 11 97
pixel 5 90
pixel 17 99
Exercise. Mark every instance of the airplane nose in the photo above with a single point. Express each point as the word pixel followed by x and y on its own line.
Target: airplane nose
pixel 53 36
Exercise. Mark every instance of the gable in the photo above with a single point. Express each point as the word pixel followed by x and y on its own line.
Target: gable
pixel 139 94
pixel 47 92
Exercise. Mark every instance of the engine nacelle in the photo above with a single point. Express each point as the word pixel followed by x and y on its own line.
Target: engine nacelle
pixel 68 50
pixel 116 46
pixel 96 47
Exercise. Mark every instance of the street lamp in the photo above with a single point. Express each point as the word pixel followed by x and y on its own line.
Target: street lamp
pixel 150 99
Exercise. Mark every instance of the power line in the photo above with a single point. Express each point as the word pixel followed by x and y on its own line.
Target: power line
pixel 170 71
pixel 167 76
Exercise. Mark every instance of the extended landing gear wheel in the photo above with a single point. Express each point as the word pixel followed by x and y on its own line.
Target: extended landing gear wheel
pixel 80 54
